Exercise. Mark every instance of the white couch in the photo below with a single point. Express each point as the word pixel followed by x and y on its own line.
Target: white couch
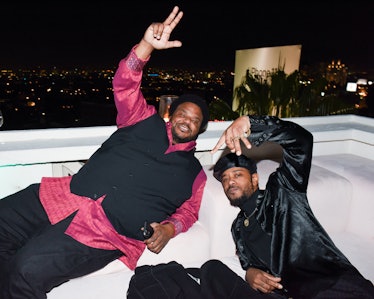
pixel 340 194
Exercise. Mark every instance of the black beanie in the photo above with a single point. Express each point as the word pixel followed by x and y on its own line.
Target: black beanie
pixel 233 160
pixel 199 101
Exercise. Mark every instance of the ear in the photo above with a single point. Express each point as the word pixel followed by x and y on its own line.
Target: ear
pixel 255 180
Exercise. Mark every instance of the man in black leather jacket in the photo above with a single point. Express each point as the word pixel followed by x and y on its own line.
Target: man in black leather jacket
pixel 281 245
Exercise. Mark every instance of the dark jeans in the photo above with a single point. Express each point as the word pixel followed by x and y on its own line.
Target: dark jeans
pixel 173 281
pixel 36 256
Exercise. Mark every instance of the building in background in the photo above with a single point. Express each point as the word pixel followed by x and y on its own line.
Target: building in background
pixel 264 61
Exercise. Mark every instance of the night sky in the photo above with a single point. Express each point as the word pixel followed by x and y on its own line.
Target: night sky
pixel 78 34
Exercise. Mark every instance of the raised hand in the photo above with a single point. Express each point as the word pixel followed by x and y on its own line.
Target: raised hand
pixel 158 34
pixel 238 130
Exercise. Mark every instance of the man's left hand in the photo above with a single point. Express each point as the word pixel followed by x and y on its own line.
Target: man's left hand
pixel 161 236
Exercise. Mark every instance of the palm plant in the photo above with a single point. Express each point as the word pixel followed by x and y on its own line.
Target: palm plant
pixel 280 95
pixel 253 95
pixel 220 110
pixel 283 95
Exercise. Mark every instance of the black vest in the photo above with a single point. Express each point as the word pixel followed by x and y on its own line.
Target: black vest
pixel 139 180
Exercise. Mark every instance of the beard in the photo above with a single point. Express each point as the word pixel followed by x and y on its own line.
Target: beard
pixel 240 201
pixel 178 139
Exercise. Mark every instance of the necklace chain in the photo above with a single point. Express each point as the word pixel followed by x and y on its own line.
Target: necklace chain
pixel 254 211
pixel 246 220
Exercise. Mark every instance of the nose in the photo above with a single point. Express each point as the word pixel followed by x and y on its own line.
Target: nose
pixel 231 181
pixel 229 184
pixel 187 120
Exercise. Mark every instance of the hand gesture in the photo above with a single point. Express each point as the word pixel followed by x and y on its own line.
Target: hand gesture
pixel 158 34
pixel 262 281
pixel 238 130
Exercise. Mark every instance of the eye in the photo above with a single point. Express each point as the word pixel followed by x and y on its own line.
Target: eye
pixel 180 114
pixel 196 121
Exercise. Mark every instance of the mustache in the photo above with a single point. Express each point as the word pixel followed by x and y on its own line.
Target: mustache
pixel 232 188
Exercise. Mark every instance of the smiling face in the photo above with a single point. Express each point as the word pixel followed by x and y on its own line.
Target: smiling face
pixel 238 184
pixel 186 122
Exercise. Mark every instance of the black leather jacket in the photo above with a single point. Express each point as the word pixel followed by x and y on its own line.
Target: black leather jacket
pixel 301 252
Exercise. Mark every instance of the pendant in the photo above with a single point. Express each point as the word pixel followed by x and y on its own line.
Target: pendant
pixel 246 222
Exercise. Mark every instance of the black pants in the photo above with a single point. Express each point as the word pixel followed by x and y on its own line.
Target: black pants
pixel 217 281
pixel 173 281
pixel 349 285
pixel 36 256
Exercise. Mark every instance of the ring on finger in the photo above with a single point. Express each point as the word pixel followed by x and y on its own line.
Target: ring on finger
pixel 235 138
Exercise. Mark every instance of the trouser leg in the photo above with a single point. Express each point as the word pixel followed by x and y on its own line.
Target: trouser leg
pixel 350 285
pixel 49 259
pixel 219 282
pixel 163 281
pixel 21 216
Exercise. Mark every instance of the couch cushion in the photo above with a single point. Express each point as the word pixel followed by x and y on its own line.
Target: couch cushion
pixel 330 198
pixel 359 251
pixel 188 248
pixel 109 286
pixel 191 246
pixel 360 172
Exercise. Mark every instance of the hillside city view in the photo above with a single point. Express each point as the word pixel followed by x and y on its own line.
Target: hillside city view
pixel 58 98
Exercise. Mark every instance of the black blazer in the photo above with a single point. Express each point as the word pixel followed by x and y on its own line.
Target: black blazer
pixel 301 251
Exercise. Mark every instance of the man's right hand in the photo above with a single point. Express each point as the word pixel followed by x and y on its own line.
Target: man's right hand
pixel 158 34
pixel 239 129
pixel 262 281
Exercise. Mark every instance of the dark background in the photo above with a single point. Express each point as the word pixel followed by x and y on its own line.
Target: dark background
pixel 99 34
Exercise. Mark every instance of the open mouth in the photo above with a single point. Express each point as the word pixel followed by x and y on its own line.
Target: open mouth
pixel 184 129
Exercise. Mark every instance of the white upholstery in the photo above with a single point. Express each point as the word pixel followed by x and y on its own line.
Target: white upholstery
pixel 330 195
pixel 360 251
pixel 340 194
pixel 360 172
pixel 196 242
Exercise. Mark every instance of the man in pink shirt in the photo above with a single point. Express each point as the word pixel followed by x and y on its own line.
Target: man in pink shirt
pixel 66 227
